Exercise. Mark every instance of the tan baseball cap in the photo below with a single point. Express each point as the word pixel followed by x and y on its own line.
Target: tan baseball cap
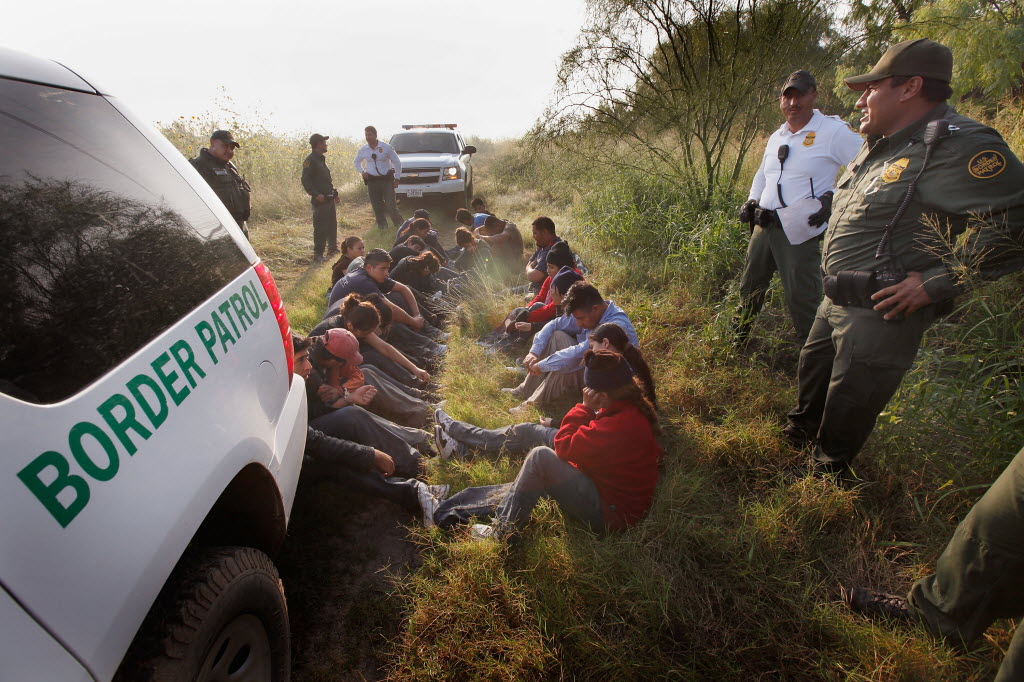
pixel 921 57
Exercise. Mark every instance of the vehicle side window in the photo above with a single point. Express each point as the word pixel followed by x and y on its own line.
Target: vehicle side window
pixel 103 245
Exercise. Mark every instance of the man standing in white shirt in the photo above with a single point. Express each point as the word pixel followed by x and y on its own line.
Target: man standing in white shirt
pixel 801 161
pixel 381 168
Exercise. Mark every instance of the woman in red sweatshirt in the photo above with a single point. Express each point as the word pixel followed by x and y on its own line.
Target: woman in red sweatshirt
pixel 604 466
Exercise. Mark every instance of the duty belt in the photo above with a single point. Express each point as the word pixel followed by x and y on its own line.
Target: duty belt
pixel 851 288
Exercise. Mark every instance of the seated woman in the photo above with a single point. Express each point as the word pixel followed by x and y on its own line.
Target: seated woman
pixel 351 248
pixel 474 255
pixel 336 355
pixel 602 470
pixel 349 446
pixel 417 272
pixel 454 438
pixel 413 246
pixel 363 319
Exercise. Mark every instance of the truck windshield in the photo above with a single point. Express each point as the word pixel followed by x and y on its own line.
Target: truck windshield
pixel 423 143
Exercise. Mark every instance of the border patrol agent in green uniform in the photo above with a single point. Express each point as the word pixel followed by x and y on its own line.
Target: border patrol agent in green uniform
pixel 316 180
pixel 925 176
pixel 214 164
pixel 801 160
pixel 978 578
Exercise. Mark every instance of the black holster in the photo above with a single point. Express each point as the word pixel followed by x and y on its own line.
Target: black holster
pixel 851 288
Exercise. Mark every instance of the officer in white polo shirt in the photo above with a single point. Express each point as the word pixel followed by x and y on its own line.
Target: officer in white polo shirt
pixel 381 168
pixel 801 161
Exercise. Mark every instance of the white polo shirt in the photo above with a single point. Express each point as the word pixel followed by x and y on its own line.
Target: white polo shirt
pixel 386 160
pixel 816 153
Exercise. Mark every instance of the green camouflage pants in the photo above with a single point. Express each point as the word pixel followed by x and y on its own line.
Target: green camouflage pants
pixel 980 575
pixel 799 268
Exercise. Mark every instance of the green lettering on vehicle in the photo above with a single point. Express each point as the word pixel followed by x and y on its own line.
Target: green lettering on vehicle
pixel 239 307
pixel 222 332
pixel 225 308
pixel 208 341
pixel 168 379
pixel 254 306
pixel 156 417
pixel 78 451
pixel 186 360
pixel 263 304
pixel 47 493
pixel 121 426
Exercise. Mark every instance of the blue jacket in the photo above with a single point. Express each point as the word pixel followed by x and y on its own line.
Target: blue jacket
pixel 571 359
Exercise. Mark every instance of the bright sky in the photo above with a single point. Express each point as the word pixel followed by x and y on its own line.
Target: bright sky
pixel 317 66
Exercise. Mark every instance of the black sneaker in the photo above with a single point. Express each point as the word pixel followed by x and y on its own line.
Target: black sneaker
pixel 838 473
pixel 878 605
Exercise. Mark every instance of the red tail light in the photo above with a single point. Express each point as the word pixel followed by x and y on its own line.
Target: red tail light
pixel 277 305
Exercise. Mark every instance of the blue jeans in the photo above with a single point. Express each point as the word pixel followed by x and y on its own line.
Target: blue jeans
pixel 513 440
pixel 543 474
pixel 355 424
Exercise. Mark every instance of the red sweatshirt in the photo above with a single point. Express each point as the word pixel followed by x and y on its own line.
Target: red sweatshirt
pixel 547 312
pixel 617 450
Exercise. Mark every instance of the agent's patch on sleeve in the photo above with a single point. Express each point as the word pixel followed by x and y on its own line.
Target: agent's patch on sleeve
pixel 305 164
pixel 986 164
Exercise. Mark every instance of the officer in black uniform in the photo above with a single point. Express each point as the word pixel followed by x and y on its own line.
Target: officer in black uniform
pixel 214 164
pixel 316 180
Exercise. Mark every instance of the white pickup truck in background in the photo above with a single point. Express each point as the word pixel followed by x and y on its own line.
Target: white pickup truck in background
pixel 436 162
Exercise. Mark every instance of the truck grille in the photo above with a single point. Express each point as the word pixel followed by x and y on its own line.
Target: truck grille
pixel 422 176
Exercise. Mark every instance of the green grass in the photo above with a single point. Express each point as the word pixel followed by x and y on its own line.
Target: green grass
pixel 736 572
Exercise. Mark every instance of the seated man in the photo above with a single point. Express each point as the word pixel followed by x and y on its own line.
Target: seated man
pixel 602 471
pixel 504 240
pixel 554 363
pixel 418 213
pixel 480 211
pixel 373 278
pixel 338 447
pixel 544 236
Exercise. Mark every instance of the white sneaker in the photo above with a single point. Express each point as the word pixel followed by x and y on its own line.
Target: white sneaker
pixel 442 419
pixel 521 411
pixel 481 531
pixel 446 445
pixel 428 503
pixel 439 491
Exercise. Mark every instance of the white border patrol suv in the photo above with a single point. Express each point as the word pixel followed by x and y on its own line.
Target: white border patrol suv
pixel 152 433
pixel 436 161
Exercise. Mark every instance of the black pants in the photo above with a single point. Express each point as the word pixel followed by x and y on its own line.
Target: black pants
pixel 325 227
pixel 382 201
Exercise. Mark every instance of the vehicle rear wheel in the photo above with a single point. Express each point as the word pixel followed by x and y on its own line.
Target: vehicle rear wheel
pixel 221 617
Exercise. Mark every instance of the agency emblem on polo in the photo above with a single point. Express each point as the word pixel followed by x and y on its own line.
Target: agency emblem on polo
pixel 986 164
pixel 895 169
pixel 809 140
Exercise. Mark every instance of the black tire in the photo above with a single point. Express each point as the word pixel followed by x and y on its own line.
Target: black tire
pixel 221 616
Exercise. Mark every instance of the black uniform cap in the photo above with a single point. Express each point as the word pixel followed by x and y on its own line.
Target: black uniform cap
pixel 802 80
pixel 317 138
pixel 224 136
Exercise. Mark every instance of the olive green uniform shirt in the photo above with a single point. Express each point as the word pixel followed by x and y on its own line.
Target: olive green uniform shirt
pixel 973 183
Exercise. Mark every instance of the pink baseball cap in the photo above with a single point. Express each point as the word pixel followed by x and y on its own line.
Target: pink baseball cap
pixel 341 343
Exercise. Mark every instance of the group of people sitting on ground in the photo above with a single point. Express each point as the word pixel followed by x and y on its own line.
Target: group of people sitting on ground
pixel 367 368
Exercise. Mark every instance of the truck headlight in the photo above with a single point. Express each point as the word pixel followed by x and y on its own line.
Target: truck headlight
pixel 451 173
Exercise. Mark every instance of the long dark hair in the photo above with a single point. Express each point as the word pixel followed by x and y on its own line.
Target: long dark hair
pixel 632 392
pixel 427 260
pixel 361 315
pixel 383 309
pixel 616 336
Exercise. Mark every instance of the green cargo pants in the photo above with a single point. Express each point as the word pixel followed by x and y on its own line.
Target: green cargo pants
pixel 799 269
pixel 980 575
pixel 850 366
